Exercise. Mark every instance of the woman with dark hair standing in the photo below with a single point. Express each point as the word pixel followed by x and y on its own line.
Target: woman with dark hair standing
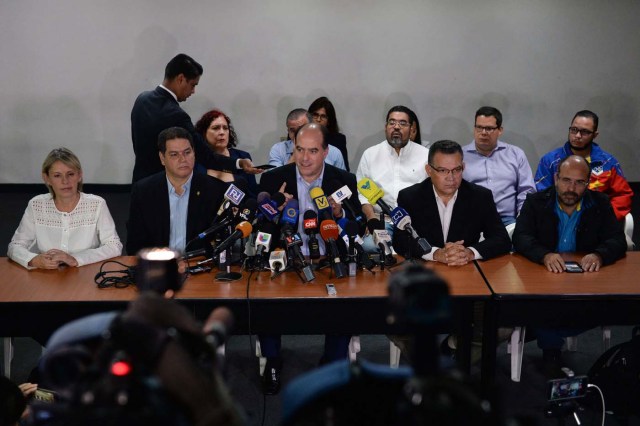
pixel 324 113
pixel 216 129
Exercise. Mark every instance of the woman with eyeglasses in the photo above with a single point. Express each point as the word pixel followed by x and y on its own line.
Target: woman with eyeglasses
pixel 216 129
pixel 65 227
pixel 324 113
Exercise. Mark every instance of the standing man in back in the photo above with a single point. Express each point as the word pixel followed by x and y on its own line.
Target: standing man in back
pixel 159 109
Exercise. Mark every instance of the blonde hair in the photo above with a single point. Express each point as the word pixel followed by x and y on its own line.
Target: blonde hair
pixel 66 157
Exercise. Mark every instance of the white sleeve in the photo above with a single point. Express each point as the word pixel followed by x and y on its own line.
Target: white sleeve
pixel 109 242
pixel 24 239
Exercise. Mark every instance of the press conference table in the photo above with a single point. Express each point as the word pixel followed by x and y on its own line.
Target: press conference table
pixel 31 300
pixel 525 293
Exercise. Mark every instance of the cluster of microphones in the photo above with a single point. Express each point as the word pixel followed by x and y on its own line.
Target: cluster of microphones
pixel 268 228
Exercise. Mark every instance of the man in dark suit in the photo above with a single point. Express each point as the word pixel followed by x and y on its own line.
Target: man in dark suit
pixel 159 109
pixel 567 218
pixel 295 180
pixel 171 207
pixel 451 213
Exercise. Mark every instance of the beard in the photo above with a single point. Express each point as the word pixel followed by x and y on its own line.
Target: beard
pixel 580 148
pixel 397 142
pixel 569 198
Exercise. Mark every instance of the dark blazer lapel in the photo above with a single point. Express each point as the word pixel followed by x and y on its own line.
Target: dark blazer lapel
pixel 434 225
pixel 194 203
pixel 163 213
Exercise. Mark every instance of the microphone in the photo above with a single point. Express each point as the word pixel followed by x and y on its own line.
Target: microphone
pixel 329 233
pixel 263 241
pixel 402 221
pixel 269 207
pixel 321 202
pixel 382 239
pixel 277 262
pixel 207 251
pixel 217 327
pixel 248 210
pixel 227 220
pixel 310 225
pixel 373 193
pixel 243 229
pixel 289 221
pixel 234 194
pixel 351 229
pixel 342 195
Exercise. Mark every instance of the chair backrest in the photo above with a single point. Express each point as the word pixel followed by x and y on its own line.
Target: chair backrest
pixel 628 231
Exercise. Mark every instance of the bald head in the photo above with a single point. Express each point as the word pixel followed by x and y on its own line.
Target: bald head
pixel 575 163
pixel 311 150
pixel 571 182
pixel 314 127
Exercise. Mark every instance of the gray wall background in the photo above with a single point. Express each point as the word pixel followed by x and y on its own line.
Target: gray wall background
pixel 71 70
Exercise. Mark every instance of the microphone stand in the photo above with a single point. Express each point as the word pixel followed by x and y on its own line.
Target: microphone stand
pixel 227 275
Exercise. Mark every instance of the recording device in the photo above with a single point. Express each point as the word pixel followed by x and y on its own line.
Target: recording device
pixel 277 262
pixel 265 166
pixel 157 270
pixel 566 389
pixel 329 233
pixel 310 226
pixel 572 266
pixel 119 368
pixel 321 202
pixel 382 239
pixel 402 221
pixel 331 289
pixel 373 193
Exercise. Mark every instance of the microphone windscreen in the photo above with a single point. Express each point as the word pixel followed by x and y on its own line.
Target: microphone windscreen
pixel 352 228
pixel 244 227
pixel 370 190
pixel 279 198
pixel 374 224
pixel 329 230
pixel 290 213
pixel 248 210
pixel 263 197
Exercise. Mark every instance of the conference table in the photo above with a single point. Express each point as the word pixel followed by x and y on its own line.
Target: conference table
pixel 42 300
pixel 526 294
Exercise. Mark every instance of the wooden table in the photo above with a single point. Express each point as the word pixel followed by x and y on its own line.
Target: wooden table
pixel 31 300
pixel 525 293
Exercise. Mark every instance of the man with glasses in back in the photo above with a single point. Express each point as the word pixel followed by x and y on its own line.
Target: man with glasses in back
pixel 567 217
pixel 498 166
pixel 281 153
pixel 393 164
pixel 606 174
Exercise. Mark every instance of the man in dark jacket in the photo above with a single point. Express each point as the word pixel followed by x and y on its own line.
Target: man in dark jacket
pixel 567 218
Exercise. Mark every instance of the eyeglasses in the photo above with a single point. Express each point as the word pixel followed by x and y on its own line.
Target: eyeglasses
pixel 583 132
pixel 568 182
pixel 481 129
pixel 445 172
pixel 319 116
pixel 401 123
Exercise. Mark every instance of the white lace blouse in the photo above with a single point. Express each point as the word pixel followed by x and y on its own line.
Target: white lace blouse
pixel 87 233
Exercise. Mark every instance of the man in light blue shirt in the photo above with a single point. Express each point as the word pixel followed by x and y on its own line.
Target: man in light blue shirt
pixel 282 152
pixel 498 166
